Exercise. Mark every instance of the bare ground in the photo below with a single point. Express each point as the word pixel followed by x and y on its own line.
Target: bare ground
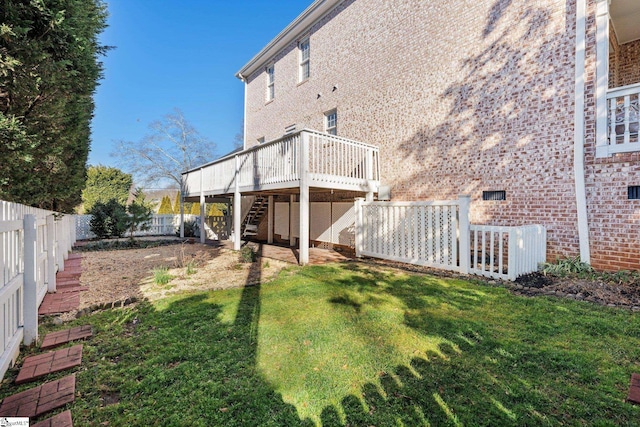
pixel 121 274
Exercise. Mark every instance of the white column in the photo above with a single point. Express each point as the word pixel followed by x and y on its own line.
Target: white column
pixel 30 287
pixel 182 208
pixel 292 240
pixel 304 199
pixel 270 212
pixel 203 233
pixel 602 76
pixel 359 226
pixel 369 171
pixel 51 256
pixel 464 230
pixel 237 203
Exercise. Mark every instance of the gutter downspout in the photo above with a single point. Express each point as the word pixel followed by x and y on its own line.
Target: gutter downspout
pixel 578 142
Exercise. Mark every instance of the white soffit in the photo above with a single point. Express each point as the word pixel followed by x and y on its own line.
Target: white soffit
pixel 311 15
pixel 625 16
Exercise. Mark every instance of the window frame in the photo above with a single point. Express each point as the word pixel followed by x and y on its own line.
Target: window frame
pixel 271 88
pixel 304 64
pixel 329 127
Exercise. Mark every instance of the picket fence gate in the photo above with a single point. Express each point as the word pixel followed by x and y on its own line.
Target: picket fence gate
pixel 439 234
pixel 33 246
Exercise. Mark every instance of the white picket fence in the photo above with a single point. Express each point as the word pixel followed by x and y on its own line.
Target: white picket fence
pixel 33 246
pixel 439 234
pixel 160 225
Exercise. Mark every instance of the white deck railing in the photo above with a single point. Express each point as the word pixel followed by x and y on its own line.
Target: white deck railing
pixel 33 246
pixel 333 162
pixel 623 118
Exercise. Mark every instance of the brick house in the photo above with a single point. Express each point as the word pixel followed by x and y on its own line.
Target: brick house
pixel 531 108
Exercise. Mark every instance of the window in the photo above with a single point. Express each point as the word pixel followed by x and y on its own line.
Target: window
pixel 305 70
pixel 494 195
pixel 331 122
pixel 633 192
pixel 270 82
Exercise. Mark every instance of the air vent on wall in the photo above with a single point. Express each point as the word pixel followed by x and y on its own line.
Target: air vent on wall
pixel 633 192
pixel 494 195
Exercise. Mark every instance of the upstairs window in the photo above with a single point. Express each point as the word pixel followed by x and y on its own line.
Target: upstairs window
pixel 270 82
pixel 331 122
pixel 305 70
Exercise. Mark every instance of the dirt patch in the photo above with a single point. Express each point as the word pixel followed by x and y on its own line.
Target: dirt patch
pixel 119 275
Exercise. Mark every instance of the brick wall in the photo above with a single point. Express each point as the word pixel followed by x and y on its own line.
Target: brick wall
pixel 461 97
pixel 629 63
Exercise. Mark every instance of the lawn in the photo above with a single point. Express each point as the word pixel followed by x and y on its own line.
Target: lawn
pixel 359 345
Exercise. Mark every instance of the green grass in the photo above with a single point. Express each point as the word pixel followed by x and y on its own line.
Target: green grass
pixel 351 344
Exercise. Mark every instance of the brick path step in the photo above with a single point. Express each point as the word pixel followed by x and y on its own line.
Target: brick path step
pixel 47 363
pixel 41 399
pixel 71 288
pixel 55 339
pixel 634 389
pixel 59 303
pixel 74 256
pixel 63 419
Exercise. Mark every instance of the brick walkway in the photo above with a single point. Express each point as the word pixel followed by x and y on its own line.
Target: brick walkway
pixel 54 361
pixel 54 339
pixel 63 419
pixel 38 400
pixel 60 303
pixel 634 389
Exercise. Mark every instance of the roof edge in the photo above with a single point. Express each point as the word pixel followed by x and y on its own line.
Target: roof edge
pixel 312 14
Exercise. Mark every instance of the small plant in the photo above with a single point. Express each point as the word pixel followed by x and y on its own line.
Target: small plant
pixel 161 275
pixel 563 267
pixel 247 254
pixel 266 264
pixel 191 267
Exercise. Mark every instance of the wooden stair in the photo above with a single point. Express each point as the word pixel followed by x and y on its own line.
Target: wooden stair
pixel 253 218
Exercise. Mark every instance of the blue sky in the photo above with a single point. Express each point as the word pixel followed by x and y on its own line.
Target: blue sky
pixel 180 54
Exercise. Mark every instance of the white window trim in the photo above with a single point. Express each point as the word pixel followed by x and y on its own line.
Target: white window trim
pixel 302 62
pixel 271 89
pixel 331 129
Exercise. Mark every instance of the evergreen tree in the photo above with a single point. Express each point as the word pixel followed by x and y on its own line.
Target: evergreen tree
pixel 195 208
pixel 216 209
pixel 104 184
pixel 140 213
pixel 176 204
pixel 49 71
pixel 165 206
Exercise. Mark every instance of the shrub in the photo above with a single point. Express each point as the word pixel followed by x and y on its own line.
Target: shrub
pixel 566 266
pixel 108 219
pixel 247 254
pixel 191 228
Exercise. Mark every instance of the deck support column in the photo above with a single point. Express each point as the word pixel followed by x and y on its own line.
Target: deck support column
pixel 369 172
pixel 292 240
pixel 304 199
pixel 203 233
pixel 270 221
pixel 237 202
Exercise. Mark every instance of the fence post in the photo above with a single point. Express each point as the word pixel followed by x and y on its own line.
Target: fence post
pixel 464 230
pixel 30 288
pixel 359 226
pixel 51 256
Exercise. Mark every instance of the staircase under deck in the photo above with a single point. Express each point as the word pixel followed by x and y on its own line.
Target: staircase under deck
pixel 298 163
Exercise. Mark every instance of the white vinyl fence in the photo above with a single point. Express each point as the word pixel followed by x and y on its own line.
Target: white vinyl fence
pixel 438 234
pixel 160 225
pixel 33 246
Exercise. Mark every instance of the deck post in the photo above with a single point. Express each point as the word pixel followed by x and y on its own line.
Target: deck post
pixel 270 221
pixel 237 202
pixel 359 226
pixel 51 256
pixel 30 286
pixel 369 172
pixel 304 199
pixel 292 240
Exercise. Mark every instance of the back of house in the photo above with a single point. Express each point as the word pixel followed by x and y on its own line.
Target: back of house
pixel 531 108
